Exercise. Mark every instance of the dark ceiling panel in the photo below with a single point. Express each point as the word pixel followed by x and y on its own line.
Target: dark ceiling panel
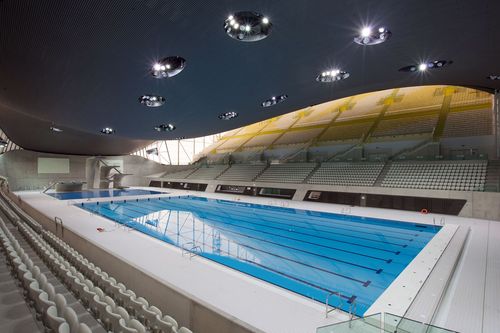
pixel 83 64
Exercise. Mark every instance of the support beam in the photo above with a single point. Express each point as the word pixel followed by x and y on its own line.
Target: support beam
pixel 443 114
pixel 386 104
pixel 496 118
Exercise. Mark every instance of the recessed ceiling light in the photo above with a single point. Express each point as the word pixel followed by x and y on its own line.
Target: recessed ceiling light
pixel 332 76
pixel 274 100
pixel 152 101
pixel 247 26
pixel 366 31
pixel 168 67
pixel 424 66
pixel 165 128
pixel 228 115
pixel 107 130
pixel 180 138
pixel 55 129
pixel 493 77
pixel 367 36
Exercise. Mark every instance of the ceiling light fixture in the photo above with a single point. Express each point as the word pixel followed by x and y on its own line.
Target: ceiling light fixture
pixel 366 31
pixel 367 36
pixel 493 77
pixel 55 129
pixel 424 66
pixel 152 101
pixel 228 115
pixel 165 128
pixel 273 101
pixel 332 76
pixel 168 67
pixel 107 130
pixel 247 26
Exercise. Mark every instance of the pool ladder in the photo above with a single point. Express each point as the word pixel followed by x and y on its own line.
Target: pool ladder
pixel 328 308
pixel 441 221
pixel 191 251
pixel 346 211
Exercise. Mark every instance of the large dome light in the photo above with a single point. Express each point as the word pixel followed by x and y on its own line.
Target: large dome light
pixel 152 101
pixel 368 36
pixel 426 65
pixel 274 100
pixel 165 128
pixel 228 115
pixel 247 26
pixel 332 76
pixel 168 67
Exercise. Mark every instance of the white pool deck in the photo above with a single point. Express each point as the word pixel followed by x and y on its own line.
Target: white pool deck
pixel 471 304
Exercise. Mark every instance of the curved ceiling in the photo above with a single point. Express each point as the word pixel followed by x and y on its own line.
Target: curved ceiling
pixel 81 65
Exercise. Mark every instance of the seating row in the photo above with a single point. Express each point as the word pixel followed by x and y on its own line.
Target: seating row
pixel 51 307
pixel 458 176
pixel 287 172
pixel 242 172
pixel 118 308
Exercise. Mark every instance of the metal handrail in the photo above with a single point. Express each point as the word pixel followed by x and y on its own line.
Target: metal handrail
pixel 441 222
pixel 327 303
pixel 346 210
pixel 352 306
pixel 59 221
pixel 50 185
pixel 192 250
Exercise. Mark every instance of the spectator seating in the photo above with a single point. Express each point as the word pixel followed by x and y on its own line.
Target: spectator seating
pixel 437 175
pixel 469 123
pixel 117 308
pixel 208 172
pixel 287 173
pixel 242 172
pixel 346 174
pixel 420 124
pixel 51 307
pixel 179 174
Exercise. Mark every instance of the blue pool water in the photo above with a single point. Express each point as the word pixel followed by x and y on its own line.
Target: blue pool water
pixel 310 253
pixel 100 194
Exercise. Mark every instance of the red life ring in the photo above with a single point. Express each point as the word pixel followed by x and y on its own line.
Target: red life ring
pixel 424 211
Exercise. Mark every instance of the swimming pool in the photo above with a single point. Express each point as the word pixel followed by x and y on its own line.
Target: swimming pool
pixel 308 252
pixel 100 193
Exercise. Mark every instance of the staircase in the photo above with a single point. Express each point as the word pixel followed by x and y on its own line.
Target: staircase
pixel 313 171
pixel 412 150
pixel 343 153
pixel 260 173
pixel 382 174
pixel 492 182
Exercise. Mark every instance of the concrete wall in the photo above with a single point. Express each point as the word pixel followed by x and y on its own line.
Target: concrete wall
pixel 20 168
